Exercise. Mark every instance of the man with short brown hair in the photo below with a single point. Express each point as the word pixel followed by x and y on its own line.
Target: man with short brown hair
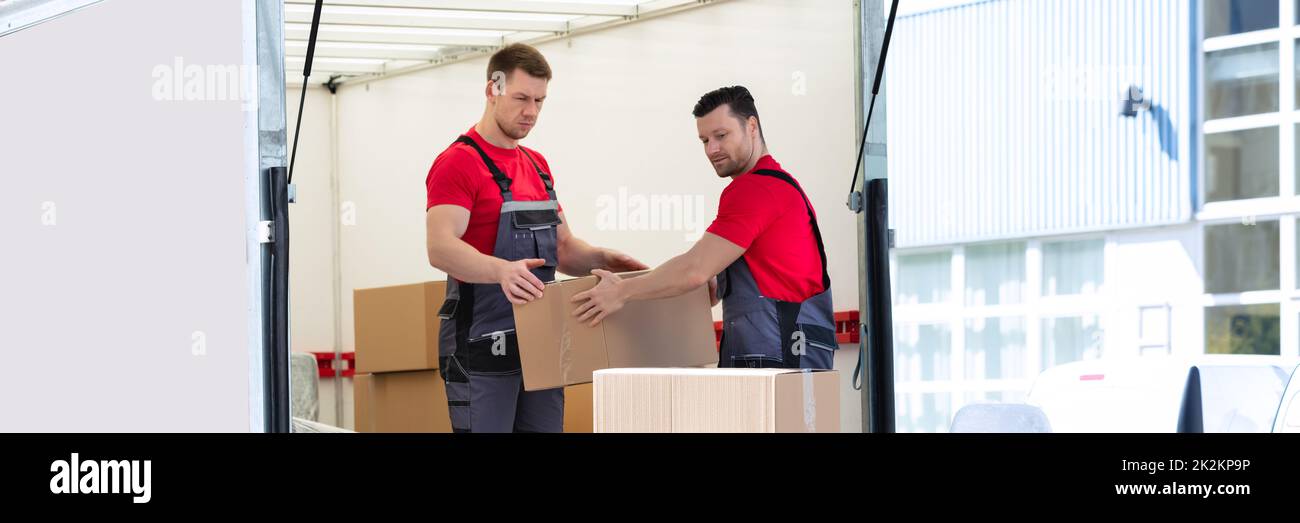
pixel 765 249
pixel 495 227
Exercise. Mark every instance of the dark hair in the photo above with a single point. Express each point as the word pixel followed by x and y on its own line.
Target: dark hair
pixel 738 101
pixel 519 56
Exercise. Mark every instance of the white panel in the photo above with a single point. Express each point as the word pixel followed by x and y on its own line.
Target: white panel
pixel 126 302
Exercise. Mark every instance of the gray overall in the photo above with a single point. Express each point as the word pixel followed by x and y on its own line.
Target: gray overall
pixel 477 349
pixel 758 331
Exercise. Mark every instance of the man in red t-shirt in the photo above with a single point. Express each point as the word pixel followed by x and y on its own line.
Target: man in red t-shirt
pixel 764 246
pixel 496 228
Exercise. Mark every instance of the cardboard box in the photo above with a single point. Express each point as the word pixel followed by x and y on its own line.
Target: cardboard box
pixel 413 401
pixel 577 408
pixel 716 400
pixel 400 402
pixel 556 350
pixel 397 327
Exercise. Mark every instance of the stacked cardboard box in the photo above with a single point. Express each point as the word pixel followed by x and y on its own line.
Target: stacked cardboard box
pixel 416 401
pixel 397 327
pixel 577 408
pixel 397 386
pixel 411 401
pixel 716 400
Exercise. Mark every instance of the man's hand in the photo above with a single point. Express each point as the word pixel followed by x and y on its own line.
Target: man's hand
pixel 519 284
pixel 602 300
pixel 618 262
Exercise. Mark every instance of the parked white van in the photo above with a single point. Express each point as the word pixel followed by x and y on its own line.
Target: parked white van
pixel 1209 393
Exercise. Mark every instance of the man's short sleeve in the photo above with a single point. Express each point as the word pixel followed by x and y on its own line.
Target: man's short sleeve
pixel 452 181
pixel 745 210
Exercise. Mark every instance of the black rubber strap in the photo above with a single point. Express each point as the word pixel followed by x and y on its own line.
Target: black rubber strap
pixel 724 282
pixel 499 177
pixel 464 318
pixel 787 318
pixel 812 219
pixel 503 181
pixel 546 177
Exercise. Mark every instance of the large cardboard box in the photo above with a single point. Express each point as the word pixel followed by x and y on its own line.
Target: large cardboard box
pixel 397 327
pixel 577 408
pixel 414 401
pixel 417 402
pixel 556 350
pixel 716 400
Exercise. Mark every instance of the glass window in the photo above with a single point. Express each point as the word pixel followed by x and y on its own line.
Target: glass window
pixel 924 278
pixel 1072 338
pixel 995 349
pixel 1225 17
pixel 1154 330
pixel 1073 267
pixel 996 396
pixel 923 412
pixel 995 274
pixel 1241 81
pixel 1241 164
pixel 922 352
pixel 1242 257
pixel 1243 329
pixel 1014 396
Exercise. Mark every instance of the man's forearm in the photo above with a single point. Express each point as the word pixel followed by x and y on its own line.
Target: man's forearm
pixel 680 275
pixel 463 262
pixel 676 276
pixel 578 258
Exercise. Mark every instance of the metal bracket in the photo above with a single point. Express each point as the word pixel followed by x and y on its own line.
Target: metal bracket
pixel 19 14
pixel 264 234
pixel 855 201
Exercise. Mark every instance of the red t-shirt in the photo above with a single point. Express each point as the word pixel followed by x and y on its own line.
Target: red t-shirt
pixel 767 217
pixel 459 177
